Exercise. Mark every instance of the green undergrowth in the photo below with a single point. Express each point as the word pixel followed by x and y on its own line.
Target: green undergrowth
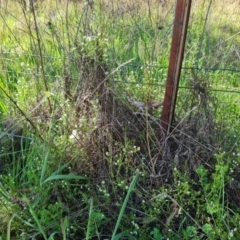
pixel 67 172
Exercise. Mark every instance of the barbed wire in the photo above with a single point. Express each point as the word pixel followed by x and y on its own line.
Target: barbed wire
pixel 132 82
pixel 130 64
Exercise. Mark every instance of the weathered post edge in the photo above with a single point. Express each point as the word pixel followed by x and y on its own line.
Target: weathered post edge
pixel 182 13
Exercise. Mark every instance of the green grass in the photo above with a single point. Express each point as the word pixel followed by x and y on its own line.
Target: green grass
pixel 76 177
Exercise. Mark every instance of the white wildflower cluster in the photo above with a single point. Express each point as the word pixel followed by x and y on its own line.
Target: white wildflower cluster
pixel 137 149
pixel 133 232
pixel 64 183
pixel 103 189
pixel 122 184
pixel 231 233
pixel 135 224
pixel 117 162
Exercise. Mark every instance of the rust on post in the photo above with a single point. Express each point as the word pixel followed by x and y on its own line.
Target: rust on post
pixel 176 56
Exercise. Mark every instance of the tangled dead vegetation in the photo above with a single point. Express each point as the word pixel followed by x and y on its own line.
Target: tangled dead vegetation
pixel 193 141
pixel 111 120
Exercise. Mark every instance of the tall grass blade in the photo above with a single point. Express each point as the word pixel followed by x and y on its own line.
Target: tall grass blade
pixel 64 227
pixel 89 219
pixel 3 192
pixel 64 177
pixel 40 227
pixel 55 175
pixel 131 188
pixel 9 227
pixel 52 235
pixel 44 168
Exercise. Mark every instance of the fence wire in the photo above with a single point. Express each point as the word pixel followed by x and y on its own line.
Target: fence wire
pixel 135 29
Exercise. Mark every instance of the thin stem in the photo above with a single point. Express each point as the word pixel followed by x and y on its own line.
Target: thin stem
pixel 41 56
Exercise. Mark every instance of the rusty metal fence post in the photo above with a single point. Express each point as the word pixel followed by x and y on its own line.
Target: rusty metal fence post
pixel 182 13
